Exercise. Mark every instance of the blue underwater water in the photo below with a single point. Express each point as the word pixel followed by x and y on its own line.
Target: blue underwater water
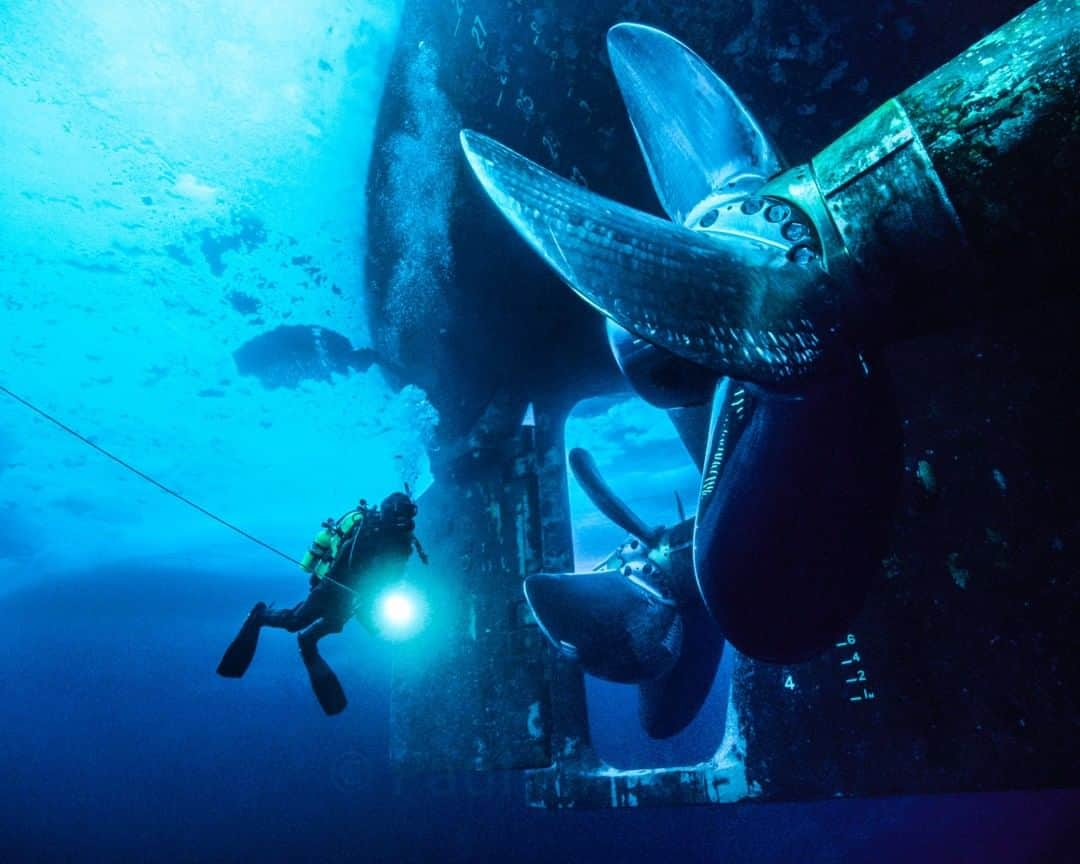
pixel 182 236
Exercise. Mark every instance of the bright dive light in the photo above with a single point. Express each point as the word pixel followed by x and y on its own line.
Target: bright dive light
pixel 398 610
pixel 401 612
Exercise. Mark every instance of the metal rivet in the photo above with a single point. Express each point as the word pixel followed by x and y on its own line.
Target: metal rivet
pixel 795 231
pixel 803 255
pixel 752 205
pixel 777 213
pixel 709 219
pixel 634 544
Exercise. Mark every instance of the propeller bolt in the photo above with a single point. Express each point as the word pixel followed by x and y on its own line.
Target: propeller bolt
pixel 777 213
pixel 795 231
pixel 803 255
pixel 752 205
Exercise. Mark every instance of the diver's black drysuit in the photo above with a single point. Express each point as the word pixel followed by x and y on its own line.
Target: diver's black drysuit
pixel 373 555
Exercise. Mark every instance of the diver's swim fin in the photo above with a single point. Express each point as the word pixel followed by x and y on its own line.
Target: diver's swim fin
pixel 241 651
pixel 324 682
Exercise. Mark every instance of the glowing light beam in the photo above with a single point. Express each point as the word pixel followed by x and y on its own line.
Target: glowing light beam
pixel 401 612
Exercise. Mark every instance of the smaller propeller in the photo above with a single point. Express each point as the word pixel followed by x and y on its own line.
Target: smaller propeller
pixel 621 621
pixel 638 618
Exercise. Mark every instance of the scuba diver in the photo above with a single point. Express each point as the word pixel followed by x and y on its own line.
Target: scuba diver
pixel 350 560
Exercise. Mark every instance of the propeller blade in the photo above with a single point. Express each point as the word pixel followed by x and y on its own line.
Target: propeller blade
pixel 603 496
pixel 619 630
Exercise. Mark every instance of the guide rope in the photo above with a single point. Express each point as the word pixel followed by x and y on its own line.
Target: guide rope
pixel 147 477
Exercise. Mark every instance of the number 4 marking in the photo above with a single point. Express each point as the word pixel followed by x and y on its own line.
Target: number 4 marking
pixel 789 684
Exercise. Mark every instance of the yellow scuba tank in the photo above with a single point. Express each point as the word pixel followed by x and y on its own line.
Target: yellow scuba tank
pixel 321 548
pixel 327 543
